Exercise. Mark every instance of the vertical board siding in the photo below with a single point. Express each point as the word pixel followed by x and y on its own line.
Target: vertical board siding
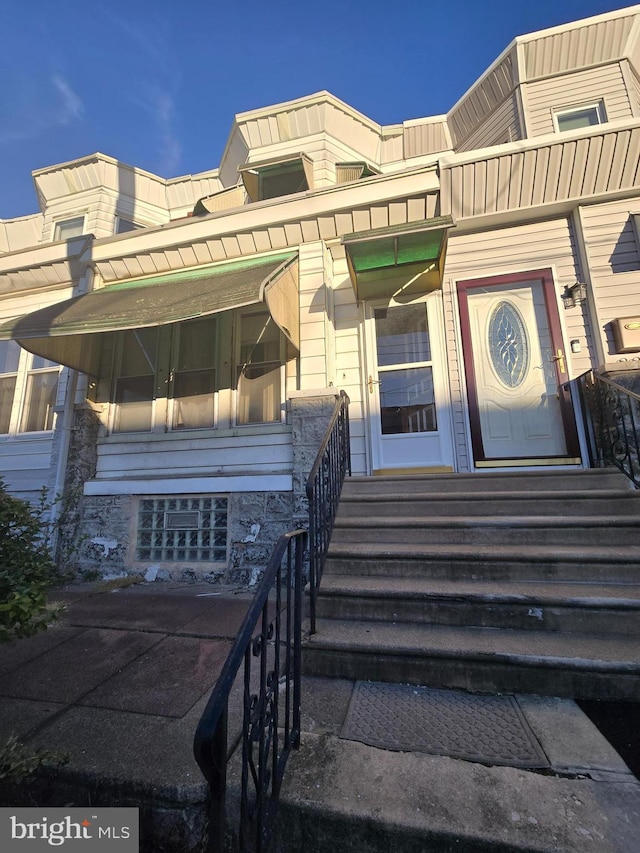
pixel 426 138
pixel 500 126
pixel 481 101
pixel 582 45
pixel 604 83
pixel 558 171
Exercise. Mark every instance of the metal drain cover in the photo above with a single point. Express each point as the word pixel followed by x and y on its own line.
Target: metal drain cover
pixel 486 729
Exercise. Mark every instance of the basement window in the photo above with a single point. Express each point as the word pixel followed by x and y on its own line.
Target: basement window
pixel 182 529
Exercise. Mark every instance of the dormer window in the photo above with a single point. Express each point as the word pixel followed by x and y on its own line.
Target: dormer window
pixel 124 225
pixel 65 229
pixel 275 178
pixel 574 118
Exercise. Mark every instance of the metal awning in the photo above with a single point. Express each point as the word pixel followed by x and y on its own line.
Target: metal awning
pixel 72 332
pixel 402 261
pixel 250 172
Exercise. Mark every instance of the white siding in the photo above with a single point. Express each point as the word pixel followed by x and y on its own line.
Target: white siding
pixel 568 90
pixel 502 125
pixel 251 451
pixel 614 260
pixel 501 251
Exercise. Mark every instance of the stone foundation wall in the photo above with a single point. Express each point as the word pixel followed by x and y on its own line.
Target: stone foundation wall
pixel 255 521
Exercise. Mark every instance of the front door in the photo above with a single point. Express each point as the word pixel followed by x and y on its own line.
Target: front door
pixel 515 366
pixel 405 388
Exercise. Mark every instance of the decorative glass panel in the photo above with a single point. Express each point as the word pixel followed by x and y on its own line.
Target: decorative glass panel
pixel 508 344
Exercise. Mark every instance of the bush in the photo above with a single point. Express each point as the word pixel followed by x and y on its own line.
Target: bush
pixel 27 569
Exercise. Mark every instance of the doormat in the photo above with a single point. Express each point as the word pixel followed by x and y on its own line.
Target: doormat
pixel 403 718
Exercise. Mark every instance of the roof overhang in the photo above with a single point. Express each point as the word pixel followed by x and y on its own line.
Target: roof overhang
pixel 72 332
pixel 402 261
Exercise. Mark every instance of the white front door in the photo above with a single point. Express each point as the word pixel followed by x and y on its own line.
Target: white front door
pixel 405 389
pixel 515 364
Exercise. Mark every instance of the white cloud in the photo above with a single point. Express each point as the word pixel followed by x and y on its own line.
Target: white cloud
pixel 72 106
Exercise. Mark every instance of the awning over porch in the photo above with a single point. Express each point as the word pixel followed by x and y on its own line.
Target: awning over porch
pixel 402 261
pixel 72 332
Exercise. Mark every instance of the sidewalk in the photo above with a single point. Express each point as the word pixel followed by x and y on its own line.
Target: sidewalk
pixel 118 685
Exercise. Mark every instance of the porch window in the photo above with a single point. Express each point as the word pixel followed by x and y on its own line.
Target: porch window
pixel 135 383
pixel 259 369
pixel 194 378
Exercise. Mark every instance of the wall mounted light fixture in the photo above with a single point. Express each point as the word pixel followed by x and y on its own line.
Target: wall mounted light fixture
pixel 574 294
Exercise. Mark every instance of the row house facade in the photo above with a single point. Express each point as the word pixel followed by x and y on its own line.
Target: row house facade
pixel 170 349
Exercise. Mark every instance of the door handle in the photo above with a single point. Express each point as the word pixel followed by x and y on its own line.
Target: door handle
pixel 559 359
pixel 373 382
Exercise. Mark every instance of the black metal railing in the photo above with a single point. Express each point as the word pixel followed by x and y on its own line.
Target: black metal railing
pixel 269 645
pixel 612 421
pixel 324 486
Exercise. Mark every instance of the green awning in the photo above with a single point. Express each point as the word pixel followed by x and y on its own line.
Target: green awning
pixel 72 332
pixel 399 261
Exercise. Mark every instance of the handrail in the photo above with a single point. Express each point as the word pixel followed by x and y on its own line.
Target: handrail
pixel 324 486
pixel 272 632
pixel 612 419
pixel 270 703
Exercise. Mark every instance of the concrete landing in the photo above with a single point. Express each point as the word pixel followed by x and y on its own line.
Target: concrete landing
pixel 118 687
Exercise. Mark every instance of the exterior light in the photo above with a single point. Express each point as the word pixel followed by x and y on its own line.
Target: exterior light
pixel 574 294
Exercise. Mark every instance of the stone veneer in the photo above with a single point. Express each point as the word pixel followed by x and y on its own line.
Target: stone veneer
pixel 103 527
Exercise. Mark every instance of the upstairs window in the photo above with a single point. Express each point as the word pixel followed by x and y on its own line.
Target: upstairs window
pixel 125 225
pixel 65 229
pixel 573 118
pixel 272 179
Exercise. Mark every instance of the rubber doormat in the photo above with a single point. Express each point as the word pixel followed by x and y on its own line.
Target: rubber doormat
pixel 485 729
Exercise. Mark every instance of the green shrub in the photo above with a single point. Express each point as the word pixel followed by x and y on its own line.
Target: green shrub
pixel 27 569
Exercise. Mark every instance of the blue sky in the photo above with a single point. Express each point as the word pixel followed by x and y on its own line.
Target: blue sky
pixel 156 83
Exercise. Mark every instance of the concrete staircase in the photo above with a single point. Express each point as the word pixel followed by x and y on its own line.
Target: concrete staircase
pixel 523 582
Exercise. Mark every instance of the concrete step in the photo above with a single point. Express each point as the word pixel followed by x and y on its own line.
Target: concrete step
pixel 517 530
pixel 503 503
pixel 483 660
pixel 578 607
pixel 555 480
pixel 620 564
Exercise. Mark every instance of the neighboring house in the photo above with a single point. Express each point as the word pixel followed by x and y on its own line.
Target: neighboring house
pixel 429 269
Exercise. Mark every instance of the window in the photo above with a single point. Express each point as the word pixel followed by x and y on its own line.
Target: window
pixel 40 395
pixel 124 225
pixel 182 529
pixel 574 118
pixel 272 179
pixel 9 360
pixel 67 228
pixel 174 377
pixel 259 369
pixel 28 390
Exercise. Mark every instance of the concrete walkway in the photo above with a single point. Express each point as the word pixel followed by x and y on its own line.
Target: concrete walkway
pixel 119 683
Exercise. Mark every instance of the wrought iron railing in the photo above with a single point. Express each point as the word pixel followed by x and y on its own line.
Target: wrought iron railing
pixel 269 645
pixel 324 486
pixel 612 420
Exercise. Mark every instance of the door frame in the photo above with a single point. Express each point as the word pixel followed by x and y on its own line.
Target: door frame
pixel 545 276
pixel 433 306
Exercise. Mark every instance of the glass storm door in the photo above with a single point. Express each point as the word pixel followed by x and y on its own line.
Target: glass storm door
pixel 404 388
pixel 515 365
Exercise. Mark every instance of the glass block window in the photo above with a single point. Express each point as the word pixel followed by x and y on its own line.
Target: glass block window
pixel 182 529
